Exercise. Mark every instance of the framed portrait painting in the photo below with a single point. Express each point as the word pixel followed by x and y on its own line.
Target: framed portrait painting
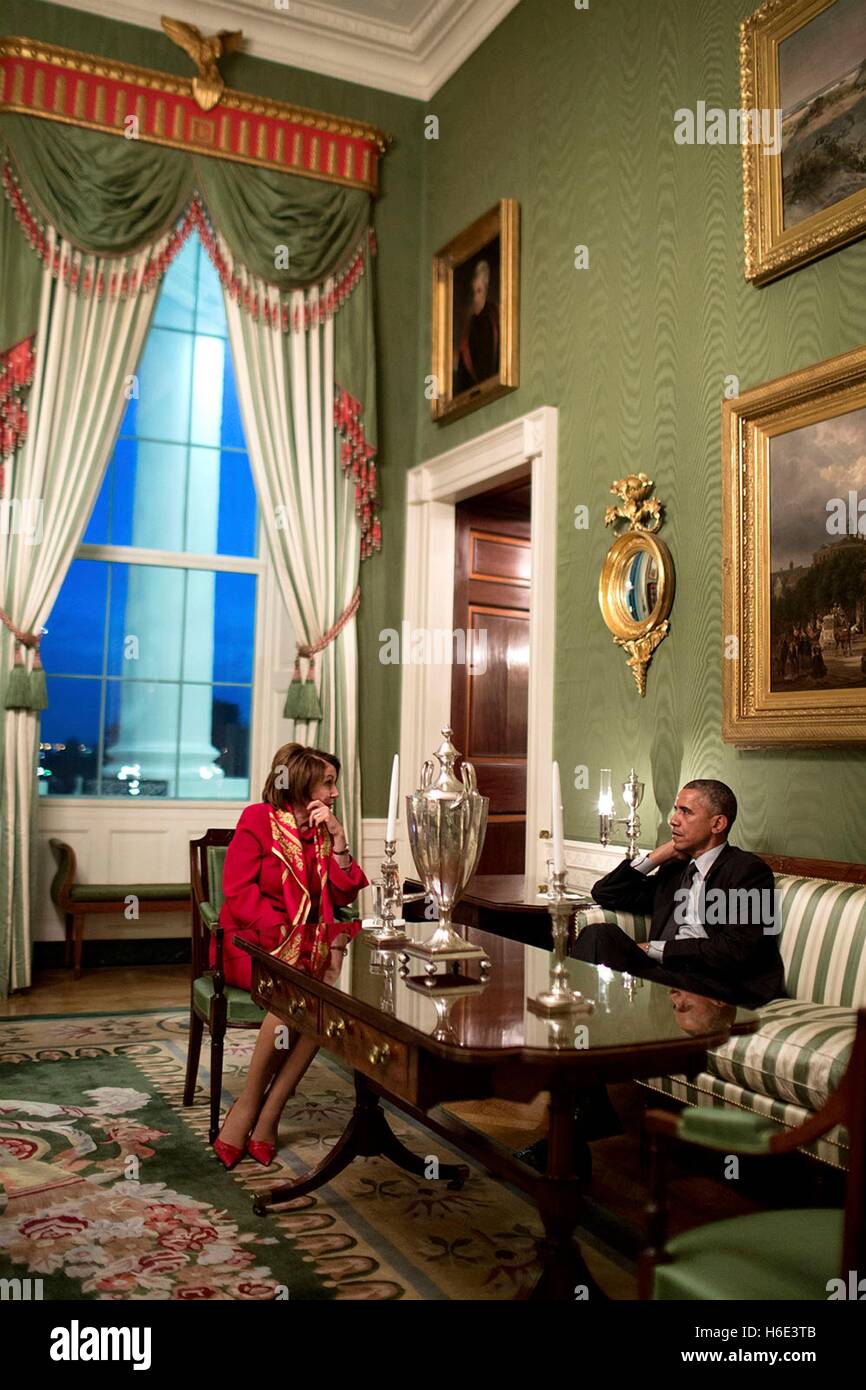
pixel 794 568
pixel 804 61
pixel 475 313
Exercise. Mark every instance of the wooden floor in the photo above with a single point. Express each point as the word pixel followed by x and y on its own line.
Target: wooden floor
pixel 101 991
pixel 618 1190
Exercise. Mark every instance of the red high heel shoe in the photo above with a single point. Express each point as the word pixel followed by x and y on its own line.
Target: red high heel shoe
pixel 262 1153
pixel 229 1155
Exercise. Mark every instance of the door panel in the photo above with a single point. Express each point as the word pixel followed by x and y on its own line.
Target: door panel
pixel 490 690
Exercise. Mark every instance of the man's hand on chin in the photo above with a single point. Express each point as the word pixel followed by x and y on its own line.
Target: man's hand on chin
pixel 668 851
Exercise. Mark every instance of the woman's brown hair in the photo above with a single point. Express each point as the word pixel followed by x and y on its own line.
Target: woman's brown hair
pixel 293 772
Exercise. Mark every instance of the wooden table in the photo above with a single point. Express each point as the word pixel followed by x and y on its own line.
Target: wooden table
pixel 381 1023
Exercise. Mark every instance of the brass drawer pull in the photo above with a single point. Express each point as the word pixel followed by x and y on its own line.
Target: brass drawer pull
pixel 336 1028
pixel 297 1006
pixel 378 1056
pixel 266 986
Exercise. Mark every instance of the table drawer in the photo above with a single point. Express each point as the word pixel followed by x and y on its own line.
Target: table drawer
pixel 364 1048
pixel 295 1005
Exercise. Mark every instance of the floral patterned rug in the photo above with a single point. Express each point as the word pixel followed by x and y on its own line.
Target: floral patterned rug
pixel 109 1189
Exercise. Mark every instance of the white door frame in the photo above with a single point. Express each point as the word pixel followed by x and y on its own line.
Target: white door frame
pixel 433 490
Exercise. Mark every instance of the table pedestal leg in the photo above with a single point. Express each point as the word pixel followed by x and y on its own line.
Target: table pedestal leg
pixel 367 1135
pixel 564 1275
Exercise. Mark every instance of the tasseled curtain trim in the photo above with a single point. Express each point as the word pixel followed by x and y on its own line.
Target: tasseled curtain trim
pixel 319 304
pixel 358 457
pixel 16 377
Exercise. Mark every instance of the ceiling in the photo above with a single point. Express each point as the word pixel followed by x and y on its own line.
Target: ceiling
pixel 405 46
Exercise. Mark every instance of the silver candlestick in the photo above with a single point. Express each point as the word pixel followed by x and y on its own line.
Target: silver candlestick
pixel 560 997
pixel 388 896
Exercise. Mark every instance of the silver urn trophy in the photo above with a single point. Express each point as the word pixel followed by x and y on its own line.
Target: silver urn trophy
pixel 446 821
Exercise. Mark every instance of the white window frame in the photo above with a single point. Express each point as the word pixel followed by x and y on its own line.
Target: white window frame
pixel 270 629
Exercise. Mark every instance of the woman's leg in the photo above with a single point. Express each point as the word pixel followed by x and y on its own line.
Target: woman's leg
pixel 282 1087
pixel 267 1058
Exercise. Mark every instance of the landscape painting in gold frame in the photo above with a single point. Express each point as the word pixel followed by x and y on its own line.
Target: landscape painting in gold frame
pixel 475 314
pixel 804 193
pixel 794 569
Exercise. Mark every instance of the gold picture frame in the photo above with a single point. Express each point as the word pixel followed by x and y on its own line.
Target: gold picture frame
pixel 794 567
pixel 475 277
pixel 795 207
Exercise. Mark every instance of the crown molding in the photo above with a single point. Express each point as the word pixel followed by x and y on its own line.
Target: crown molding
pixel 408 60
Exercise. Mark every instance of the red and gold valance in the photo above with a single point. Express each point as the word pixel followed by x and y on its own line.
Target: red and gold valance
pixel 59 84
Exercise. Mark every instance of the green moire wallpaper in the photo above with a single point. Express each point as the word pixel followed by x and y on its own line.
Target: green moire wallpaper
pixel 571 112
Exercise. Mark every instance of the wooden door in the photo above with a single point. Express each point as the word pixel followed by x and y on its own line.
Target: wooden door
pixel 490 689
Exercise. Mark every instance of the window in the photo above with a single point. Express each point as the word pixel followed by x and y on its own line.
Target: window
pixel 149 647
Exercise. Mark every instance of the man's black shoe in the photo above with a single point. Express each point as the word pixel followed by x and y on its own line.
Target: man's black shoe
pixel 536 1156
pixel 596 1117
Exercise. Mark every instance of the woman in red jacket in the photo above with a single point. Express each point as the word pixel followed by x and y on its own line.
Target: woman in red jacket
pixel 287 867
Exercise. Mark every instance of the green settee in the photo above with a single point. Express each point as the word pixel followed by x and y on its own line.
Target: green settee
pixel 786 1070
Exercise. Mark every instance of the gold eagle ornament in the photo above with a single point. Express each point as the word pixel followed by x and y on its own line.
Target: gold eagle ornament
pixel 208 87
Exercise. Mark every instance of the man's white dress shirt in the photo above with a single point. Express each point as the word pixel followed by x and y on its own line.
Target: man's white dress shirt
pixel 691 925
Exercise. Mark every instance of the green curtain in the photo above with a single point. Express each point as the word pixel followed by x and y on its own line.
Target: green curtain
pixel 136 191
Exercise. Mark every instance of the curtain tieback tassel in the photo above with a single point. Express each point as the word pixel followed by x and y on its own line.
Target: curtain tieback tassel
pixel 302 696
pixel 25 689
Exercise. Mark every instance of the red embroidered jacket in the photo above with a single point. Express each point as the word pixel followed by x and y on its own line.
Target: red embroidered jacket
pixel 270 887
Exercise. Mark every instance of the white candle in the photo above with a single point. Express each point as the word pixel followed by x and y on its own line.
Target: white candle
pixel 392 800
pixel 556 816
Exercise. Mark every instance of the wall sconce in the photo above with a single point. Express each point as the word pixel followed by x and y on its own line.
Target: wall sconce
pixel 632 793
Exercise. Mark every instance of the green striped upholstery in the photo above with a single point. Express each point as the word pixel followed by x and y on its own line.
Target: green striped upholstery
pixel 799 1053
pixel 635 924
pixel 216 858
pixel 823 940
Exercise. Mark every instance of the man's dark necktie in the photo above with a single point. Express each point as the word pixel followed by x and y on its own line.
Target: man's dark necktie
pixel 677 917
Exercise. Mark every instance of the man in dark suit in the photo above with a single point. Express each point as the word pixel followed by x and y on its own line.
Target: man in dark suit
pixel 714 929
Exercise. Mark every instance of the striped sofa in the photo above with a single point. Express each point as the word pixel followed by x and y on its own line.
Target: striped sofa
pixel 799 1053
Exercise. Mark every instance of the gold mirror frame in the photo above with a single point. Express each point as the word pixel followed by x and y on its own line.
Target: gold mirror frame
pixel 643 513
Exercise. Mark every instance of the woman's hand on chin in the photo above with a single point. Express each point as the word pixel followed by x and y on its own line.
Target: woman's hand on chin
pixel 320 814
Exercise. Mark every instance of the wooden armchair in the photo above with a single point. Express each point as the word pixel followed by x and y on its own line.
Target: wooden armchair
pixel 213 1004
pixel 777 1255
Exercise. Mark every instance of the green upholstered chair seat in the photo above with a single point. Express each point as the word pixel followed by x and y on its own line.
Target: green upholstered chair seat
pixel 771 1255
pixel 240 1006
pixel 116 892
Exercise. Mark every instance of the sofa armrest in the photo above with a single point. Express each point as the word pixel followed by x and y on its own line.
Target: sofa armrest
pixel 634 924
pixel 731 1131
